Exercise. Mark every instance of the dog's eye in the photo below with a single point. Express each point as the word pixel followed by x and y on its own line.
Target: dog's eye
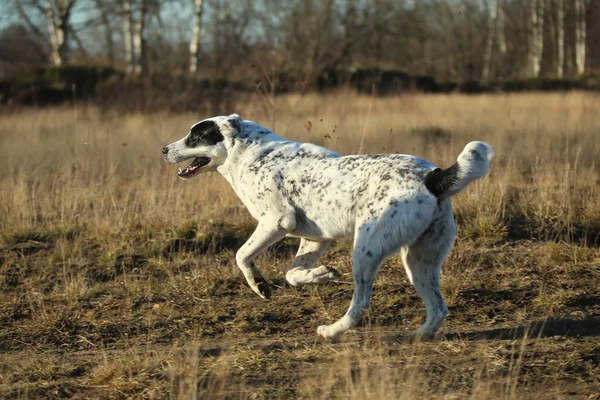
pixel 205 133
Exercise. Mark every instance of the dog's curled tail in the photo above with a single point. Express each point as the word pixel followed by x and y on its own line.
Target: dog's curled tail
pixel 470 165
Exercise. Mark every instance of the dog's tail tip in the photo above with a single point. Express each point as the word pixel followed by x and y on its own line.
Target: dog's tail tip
pixel 472 163
pixel 477 151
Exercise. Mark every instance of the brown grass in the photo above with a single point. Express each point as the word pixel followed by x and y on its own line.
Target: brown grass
pixel 118 280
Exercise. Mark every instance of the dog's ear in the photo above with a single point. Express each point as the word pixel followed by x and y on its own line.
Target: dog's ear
pixel 235 122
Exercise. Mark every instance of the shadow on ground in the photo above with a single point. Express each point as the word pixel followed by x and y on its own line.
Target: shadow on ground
pixel 542 328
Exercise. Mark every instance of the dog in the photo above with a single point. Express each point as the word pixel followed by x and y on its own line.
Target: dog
pixel 389 202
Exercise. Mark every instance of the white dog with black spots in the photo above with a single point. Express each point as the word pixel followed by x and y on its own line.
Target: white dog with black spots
pixel 389 202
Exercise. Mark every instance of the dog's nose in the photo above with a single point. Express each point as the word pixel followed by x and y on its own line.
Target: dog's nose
pixel 165 150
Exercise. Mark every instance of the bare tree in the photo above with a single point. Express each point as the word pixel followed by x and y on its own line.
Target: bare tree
pixel 134 25
pixel 560 38
pixel 323 41
pixel 500 26
pixel 450 16
pixel 62 26
pixel 127 37
pixel 139 45
pixel 489 44
pixel 217 36
pixel 108 33
pixel 57 15
pixel 539 47
pixel 196 35
pixel 536 37
pixel 580 36
pixel 56 37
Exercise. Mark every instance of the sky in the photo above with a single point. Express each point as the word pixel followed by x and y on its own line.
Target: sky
pixel 175 17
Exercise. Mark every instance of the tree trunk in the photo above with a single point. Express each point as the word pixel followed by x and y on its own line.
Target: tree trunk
pixel 142 61
pixel 138 30
pixel 217 38
pixel 540 36
pixel 569 57
pixel 500 19
pixel 536 37
pixel 108 37
pixel 500 26
pixel 196 34
pixel 580 36
pixel 64 30
pixel 560 38
pixel 127 40
pixel 532 26
pixel 54 37
pixel 489 45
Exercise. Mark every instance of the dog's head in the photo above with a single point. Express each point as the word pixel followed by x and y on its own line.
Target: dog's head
pixel 205 143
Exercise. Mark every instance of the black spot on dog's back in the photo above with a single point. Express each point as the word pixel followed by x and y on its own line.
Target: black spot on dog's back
pixel 205 133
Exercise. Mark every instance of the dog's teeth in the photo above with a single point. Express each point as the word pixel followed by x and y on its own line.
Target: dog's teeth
pixel 180 170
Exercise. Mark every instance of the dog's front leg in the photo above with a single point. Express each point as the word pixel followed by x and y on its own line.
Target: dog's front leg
pixel 264 236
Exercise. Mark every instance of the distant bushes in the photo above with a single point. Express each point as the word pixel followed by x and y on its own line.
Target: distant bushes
pixel 107 86
pixel 528 85
pixel 42 86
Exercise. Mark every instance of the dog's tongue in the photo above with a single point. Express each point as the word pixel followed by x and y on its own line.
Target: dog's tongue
pixel 190 169
pixel 187 170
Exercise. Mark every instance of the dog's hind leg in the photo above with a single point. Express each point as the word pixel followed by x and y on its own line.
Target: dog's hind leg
pixel 264 236
pixel 423 262
pixel 364 269
pixel 366 259
pixel 374 240
pixel 302 272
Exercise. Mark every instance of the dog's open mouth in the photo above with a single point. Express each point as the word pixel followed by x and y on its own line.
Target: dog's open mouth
pixel 191 169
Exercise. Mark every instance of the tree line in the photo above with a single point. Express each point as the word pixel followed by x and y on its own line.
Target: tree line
pixel 306 40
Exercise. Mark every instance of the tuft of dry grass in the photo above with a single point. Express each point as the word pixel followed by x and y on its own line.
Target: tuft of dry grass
pixel 118 280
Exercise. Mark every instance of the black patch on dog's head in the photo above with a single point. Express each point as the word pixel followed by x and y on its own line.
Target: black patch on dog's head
pixel 205 133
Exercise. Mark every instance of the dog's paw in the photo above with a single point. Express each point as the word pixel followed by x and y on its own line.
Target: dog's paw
pixel 262 287
pixel 315 276
pixel 323 274
pixel 322 331
pixel 326 332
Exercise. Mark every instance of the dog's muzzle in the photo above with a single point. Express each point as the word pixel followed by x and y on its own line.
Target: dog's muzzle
pixel 173 156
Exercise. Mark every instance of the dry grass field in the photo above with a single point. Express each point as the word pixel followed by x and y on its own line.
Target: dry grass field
pixel 118 280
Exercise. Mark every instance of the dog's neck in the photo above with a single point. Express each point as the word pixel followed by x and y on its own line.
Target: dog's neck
pixel 243 148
